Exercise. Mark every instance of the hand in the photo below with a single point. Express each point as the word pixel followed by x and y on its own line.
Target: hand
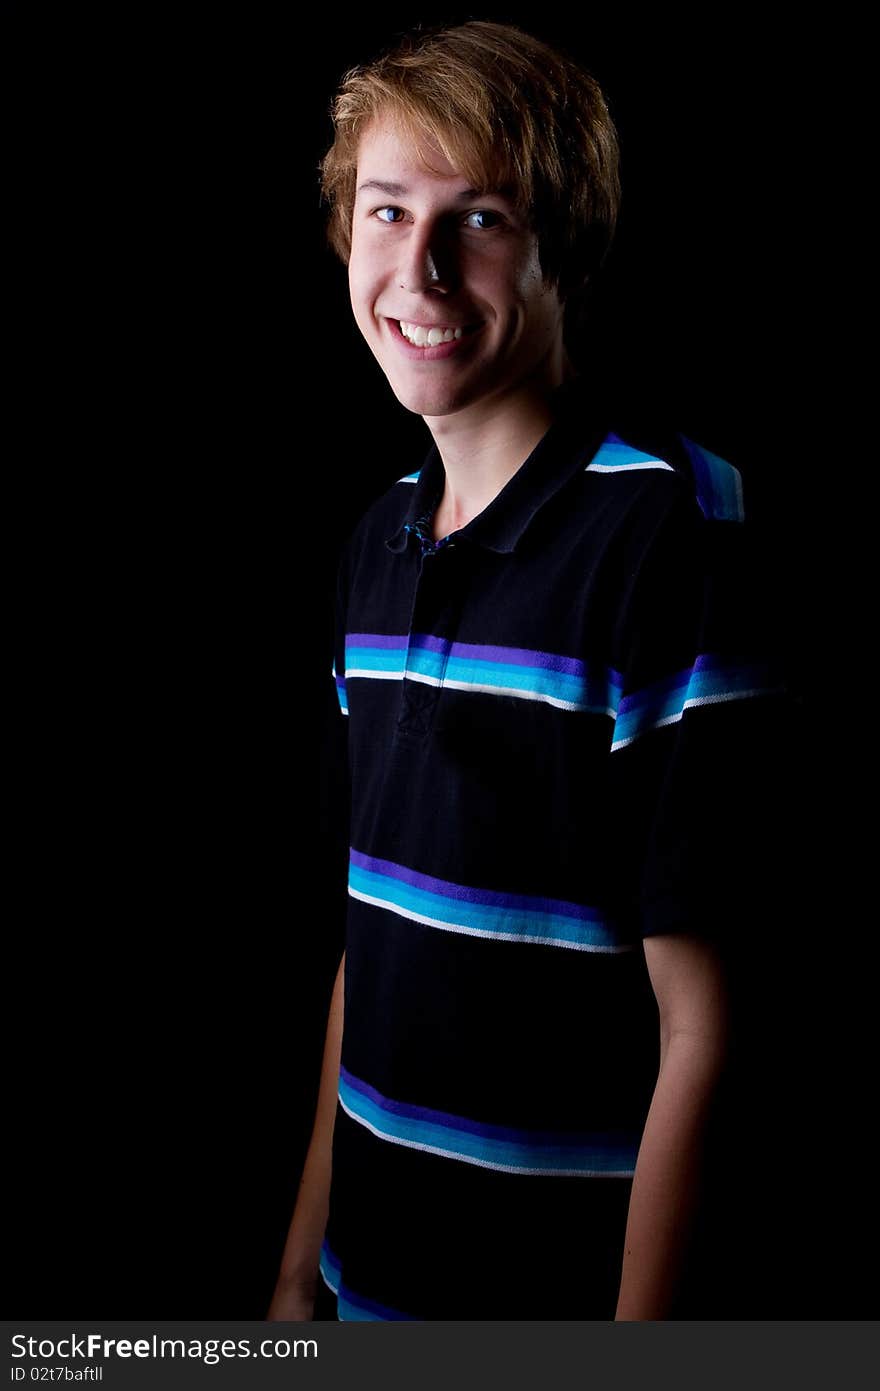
pixel 292 1302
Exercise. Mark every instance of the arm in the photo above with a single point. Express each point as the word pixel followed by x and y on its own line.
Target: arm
pixel 294 1294
pixel 689 986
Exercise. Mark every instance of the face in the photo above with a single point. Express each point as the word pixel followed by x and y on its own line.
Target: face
pixel 428 251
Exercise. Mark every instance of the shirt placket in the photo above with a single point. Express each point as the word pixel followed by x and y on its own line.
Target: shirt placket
pixel 433 624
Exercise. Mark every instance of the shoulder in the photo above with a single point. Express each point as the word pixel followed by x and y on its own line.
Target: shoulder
pixel 665 463
pixel 697 565
pixel 679 509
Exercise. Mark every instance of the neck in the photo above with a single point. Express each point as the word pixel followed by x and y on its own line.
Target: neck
pixel 484 446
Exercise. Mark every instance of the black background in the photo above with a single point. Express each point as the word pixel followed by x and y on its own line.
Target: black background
pixel 194 426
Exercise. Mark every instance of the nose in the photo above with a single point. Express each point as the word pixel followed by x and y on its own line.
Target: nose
pixel 419 276
pixel 426 264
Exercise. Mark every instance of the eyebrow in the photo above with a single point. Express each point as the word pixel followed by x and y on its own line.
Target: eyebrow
pixel 401 191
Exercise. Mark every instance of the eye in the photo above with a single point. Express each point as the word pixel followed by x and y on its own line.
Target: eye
pixel 379 211
pixel 485 212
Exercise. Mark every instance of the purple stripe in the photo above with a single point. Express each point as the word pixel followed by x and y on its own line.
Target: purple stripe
pixel 392 640
pixel 466 894
pixel 576 1138
pixel 429 643
pixel 512 656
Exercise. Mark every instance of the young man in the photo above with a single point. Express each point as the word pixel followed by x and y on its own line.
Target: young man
pixel 556 691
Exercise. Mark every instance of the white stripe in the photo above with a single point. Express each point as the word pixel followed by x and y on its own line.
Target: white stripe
pixel 696 700
pixel 478 687
pixel 523 694
pixel 480 932
pixel 484 1163
pixel 658 724
pixel 484 689
pixel 627 468
pixel 393 674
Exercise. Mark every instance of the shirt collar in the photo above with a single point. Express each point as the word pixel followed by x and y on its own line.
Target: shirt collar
pixel 569 444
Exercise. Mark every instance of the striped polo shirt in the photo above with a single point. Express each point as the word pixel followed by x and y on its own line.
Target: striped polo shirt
pixel 556 720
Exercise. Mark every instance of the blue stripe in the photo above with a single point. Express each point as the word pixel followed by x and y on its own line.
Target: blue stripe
pixel 615 455
pixel 595 692
pixel 709 681
pixel 356 1308
pixel 351 1306
pixel 330 1267
pixel 507 917
pixel 718 484
pixel 367 659
pixel 341 693
pixel 579 1154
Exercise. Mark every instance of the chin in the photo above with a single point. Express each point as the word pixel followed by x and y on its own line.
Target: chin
pixel 427 402
pixel 432 398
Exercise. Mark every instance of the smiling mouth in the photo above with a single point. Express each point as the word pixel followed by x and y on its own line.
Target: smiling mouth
pixel 421 337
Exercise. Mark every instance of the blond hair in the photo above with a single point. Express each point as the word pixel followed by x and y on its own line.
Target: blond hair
pixel 511 114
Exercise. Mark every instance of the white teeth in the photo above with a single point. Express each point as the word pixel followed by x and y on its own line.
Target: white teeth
pixel 428 337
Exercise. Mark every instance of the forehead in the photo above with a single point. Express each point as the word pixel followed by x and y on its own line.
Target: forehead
pixel 390 157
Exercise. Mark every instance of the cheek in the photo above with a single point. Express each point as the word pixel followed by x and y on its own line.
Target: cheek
pixel 358 289
pixel 365 272
pixel 523 286
pixel 525 266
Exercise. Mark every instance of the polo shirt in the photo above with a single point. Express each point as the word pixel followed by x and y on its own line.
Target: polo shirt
pixel 558 719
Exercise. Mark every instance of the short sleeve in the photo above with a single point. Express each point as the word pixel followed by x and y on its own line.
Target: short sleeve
pixel 337 669
pixel 702 723
pixel 334 771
